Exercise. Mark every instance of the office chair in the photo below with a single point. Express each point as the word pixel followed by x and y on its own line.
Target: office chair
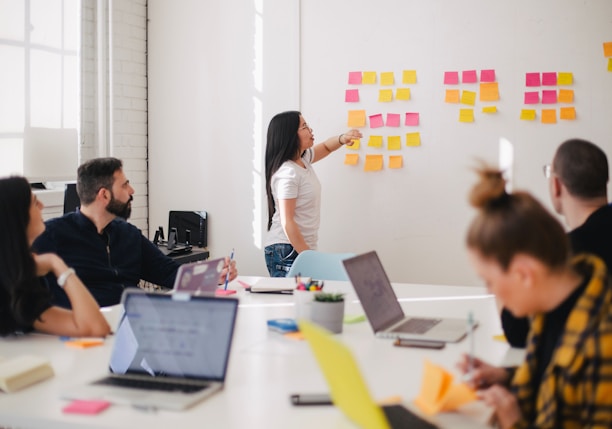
pixel 320 265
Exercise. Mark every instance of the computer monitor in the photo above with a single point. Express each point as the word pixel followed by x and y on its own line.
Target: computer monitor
pixel 71 198
pixel 194 221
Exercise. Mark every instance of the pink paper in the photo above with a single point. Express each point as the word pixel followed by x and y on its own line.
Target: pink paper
pixel 352 96
pixel 451 78
pixel 412 119
pixel 487 75
pixel 393 119
pixel 469 76
pixel 549 79
pixel 532 97
pixel 532 79
pixel 376 121
pixel 549 97
pixel 355 78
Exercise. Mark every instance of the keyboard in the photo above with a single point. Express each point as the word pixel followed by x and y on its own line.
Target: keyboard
pixel 416 325
pixel 165 386
pixel 399 416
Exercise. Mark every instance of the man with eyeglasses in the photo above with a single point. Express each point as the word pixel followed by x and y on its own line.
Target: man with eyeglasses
pixel 578 182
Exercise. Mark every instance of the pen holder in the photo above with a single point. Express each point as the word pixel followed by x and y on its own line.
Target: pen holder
pixel 303 303
pixel 328 314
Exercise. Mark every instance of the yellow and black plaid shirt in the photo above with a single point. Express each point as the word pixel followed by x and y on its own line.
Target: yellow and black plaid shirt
pixel 576 388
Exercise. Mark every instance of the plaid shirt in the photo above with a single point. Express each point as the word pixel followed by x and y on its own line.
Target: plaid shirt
pixel 576 388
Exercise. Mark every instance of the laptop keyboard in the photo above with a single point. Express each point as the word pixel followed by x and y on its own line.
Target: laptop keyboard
pixel 165 386
pixel 399 416
pixel 416 326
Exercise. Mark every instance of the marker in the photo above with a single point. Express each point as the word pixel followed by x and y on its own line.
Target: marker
pixel 229 268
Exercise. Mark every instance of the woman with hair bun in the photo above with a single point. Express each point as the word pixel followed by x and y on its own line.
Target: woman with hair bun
pixel 522 253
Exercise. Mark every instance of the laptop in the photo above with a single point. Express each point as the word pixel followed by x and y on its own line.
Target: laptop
pixel 348 389
pixel 384 311
pixel 170 351
pixel 199 277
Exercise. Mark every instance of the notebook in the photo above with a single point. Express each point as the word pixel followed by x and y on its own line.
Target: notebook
pixel 384 311
pixel 199 277
pixel 348 389
pixel 170 351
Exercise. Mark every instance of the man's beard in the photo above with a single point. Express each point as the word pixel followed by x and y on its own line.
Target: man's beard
pixel 122 210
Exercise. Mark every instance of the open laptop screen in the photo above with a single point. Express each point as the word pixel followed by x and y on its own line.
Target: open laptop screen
pixel 175 336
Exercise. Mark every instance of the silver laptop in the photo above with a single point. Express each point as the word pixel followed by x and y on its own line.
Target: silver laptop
pixel 199 277
pixel 170 351
pixel 384 311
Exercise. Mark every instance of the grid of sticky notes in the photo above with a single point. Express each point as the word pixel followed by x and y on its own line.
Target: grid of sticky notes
pixel 548 90
pixel 391 127
pixel 607 48
pixel 465 88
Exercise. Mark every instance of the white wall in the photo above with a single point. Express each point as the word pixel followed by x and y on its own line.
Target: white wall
pixel 208 115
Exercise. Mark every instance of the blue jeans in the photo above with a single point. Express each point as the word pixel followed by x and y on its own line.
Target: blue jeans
pixel 279 258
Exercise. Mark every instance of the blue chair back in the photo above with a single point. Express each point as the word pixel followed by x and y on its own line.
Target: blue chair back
pixel 320 265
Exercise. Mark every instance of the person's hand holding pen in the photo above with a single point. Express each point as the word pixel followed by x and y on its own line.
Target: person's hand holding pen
pixel 483 374
pixel 229 272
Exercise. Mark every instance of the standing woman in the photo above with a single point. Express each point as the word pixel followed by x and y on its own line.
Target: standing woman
pixel 25 301
pixel 293 189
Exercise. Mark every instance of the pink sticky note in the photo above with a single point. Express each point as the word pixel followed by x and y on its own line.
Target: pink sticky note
pixel 469 76
pixel 355 78
pixel 352 96
pixel 549 79
pixel 549 97
pixel 412 119
pixel 86 407
pixel 393 119
pixel 532 79
pixel 487 75
pixel 376 121
pixel 451 78
pixel 532 97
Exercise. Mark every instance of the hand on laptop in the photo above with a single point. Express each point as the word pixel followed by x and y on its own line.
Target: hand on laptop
pixel 233 271
pixel 482 374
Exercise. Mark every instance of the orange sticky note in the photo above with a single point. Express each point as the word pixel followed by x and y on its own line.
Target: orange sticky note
pixel 528 115
pixel 396 161
pixel 413 139
pixel 468 97
pixel 355 144
pixel 452 96
pixel 607 47
pixel 549 116
pixel 394 142
pixel 373 163
pixel 567 113
pixel 375 141
pixel 368 77
pixel 351 159
pixel 385 95
pixel 566 96
pixel 466 115
pixel 489 91
pixel 356 118
pixel 84 343
pixel 387 78
pixel 409 77
pixel 402 94
pixel 565 78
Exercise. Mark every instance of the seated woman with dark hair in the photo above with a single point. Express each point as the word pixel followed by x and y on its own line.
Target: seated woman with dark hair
pixel 25 301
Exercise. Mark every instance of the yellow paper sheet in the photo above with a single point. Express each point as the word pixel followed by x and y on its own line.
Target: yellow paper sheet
pixel 413 139
pixel 375 141
pixel 394 142
pixel 549 116
pixel 351 159
pixel 452 96
pixel 528 115
pixel 409 77
pixel 402 94
pixel 355 146
pixel 567 113
pixel 385 95
pixel 396 161
pixel 356 118
pixel 610 64
pixel 466 115
pixel 368 77
pixel 489 109
pixel 468 97
pixel 387 78
pixel 566 96
pixel 489 91
pixel 373 163
pixel 565 78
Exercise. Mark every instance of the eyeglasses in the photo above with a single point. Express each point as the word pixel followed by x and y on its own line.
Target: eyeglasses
pixel 305 127
pixel 547 170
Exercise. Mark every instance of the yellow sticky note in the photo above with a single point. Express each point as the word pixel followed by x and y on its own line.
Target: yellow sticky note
pixel 466 115
pixel 368 77
pixel 607 46
pixel 610 64
pixel 385 95
pixel 373 163
pixel 387 78
pixel 356 143
pixel 489 109
pixel 567 113
pixel 468 97
pixel 394 142
pixel 565 78
pixel 375 141
pixel 500 337
pixel 528 115
pixel 452 96
pixel 413 139
pixel 549 116
pixel 351 159
pixel 489 91
pixel 356 118
pixel 396 161
pixel 566 96
pixel 402 94
pixel 409 77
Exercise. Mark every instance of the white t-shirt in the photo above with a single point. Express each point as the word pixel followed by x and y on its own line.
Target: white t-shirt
pixel 293 181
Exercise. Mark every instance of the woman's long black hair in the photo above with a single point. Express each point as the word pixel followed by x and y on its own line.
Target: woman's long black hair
pixel 21 293
pixel 282 145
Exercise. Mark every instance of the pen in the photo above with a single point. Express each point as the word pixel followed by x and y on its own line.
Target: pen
pixel 229 268
pixel 472 346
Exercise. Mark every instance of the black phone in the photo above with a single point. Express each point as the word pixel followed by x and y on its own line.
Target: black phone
pixel 426 344
pixel 311 399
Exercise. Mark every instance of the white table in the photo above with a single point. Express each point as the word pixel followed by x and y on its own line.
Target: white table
pixel 265 368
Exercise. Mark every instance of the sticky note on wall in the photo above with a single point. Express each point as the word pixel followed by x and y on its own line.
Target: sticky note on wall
pixel 375 141
pixel 373 163
pixel 385 95
pixel 396 161
pixel 402 94
pixel 368 77
pixel 394 142
pixel 354 78
pixel 567 113
pixel 466 115
pixel 489 91
pixel 452 96
pixel 351 159
pixel 528 115
pixel 549 116
pixel 409 77
pixel 413 139
pixel 356 118
pixel 387 78
pixel 607 47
